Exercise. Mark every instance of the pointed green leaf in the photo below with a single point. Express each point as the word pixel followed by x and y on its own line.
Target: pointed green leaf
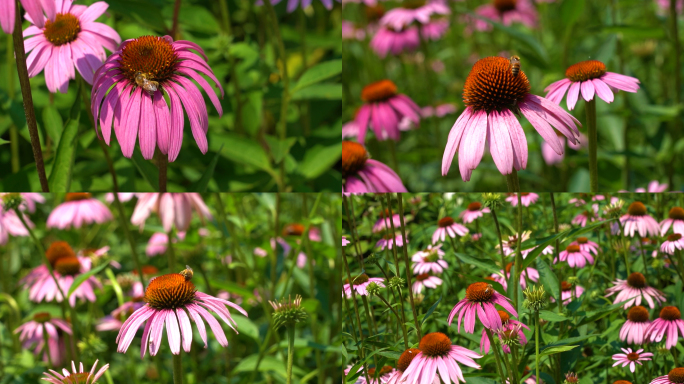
pixel 84 276
pixel 60 176
pixel 319 73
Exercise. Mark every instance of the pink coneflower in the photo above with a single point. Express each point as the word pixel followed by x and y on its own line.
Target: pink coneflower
pixel 676 376
pixel 172 208
pixel 505 12
pixel 434 30
pixel 446 226
pixel 34 9
pixel 664 5
pixel 157 244
pixel 425 280
pixel 33 332
pixel 668 323
pixel 384 223
pixel 11 225
pixel 388 40
pixel 634 329
pixel 388 240
pixel 29 200
pixel 567 292
pixel 134 81
pixel 633 289
pixel 480 299
pixel 589 215
pixel 473 211
pixel 493 95
pixel 631 358
pixel 169 300
pixel 575 256
pixel 653 187
pixel 586 245
pixel 510 246
pixel 351 32
pixel 383 375
pixel 526 198
pixel 77 210
pixel 360 284
pixel 638 220
pixel 439 358
pixel 114 321
pixel 67 266
pixel 384 108
pixel 71 39
pixel 293 4
pixel 509 326
pixel 440 110
pixel 75 377
pixel 673 242
pixel 429 260
pixel 675 219
pixel 404 361
pixel 590 77
pixel 419 12
pixel 123 197
pixel 362 174
pixel 529 273
pixel 345 242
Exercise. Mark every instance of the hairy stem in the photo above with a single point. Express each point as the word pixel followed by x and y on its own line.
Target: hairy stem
pixel 177 369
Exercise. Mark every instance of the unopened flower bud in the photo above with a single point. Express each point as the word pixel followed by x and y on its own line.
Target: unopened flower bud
pixel 288 313
pixel 535 298
pixel 11 201
pixel 492 200
pixel 373 289
pixel 397 283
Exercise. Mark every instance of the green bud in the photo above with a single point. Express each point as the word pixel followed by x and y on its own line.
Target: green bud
pixel 535 298
pixel 373 289
pixel 397 283
pixel 12 201
pixel 288 313
pixel 572 280
pixel 372 259
pixel 492 200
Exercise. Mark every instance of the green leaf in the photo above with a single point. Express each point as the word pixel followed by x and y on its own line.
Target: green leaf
pixel 353 374
pixel 246 327
pixel 115 285
pixel 148 171
pixel 203 182
pixel 243 150
pixel 391 355
pixel 319 73
pixel 3 141
pixel 557 349
pixel 571 11
pixel 526 39
pixel 232 288
pixel 484 264
pixel 319 159
pixel 548 278
pixel 60 176
pixel 634 31
pixel 601 313
pixel 83 277
pixel 432 309
pixel 551 316
pixel 52 122
pixel 325 91
pixel 279 148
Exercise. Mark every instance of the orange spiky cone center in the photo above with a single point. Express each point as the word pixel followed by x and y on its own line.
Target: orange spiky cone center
pixel 63 30
pixel 585 70
pixel 490 85
pixel 378 91
pixel 170 292
pixel 435 344
pixel 152 56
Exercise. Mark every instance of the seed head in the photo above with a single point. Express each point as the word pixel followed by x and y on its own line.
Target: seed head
pixel 535 298
pixel 571 378
pixel 510 337
pixel 397 282
pixel 614 209
pixel 373 289
pixel 492 200
pixel 288 313
pixel 12 201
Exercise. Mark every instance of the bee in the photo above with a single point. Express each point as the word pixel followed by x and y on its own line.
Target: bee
pixel 149 85
pixel 488 289
pixel 515 65
pixel 187 273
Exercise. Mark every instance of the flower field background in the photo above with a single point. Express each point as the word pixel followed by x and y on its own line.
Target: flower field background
pixel 427 49
pixel 269 132
pixel 243 273
pixel 436 295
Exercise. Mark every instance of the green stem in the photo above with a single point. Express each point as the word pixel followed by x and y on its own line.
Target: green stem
pixel 290 352
pixel 592 136
pixel 496 355
pixel 20 55
pixel 407 265
pixel 518 255
pixel 356 311
pixel 174 27
pixel 170 254
pixel 536 343
pixel 177 369
pixel 498 234
pixel 129 237
pixel 403 326
pixel 162 163
pixel 512 182
pixel 47 348
pixel 225 14
pixel 285 98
